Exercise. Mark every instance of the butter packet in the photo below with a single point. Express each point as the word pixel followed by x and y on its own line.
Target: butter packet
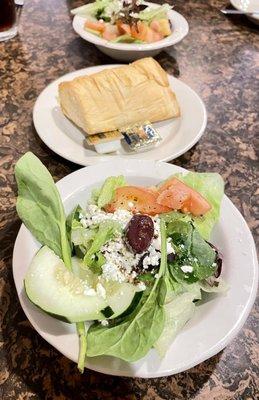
pixel 106 142
pixel 141 136
pixel 104 137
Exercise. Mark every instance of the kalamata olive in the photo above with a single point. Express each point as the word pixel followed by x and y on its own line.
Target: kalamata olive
pixel 219 262
pixel 170 257
pixel 142 7
pixel 139 233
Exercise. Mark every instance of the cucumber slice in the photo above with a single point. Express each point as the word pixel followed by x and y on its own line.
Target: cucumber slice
pixel 56 290
pixel 118 295
pixel 69 296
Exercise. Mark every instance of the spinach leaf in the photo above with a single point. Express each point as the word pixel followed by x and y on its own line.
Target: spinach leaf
pixel 204 253
pixel 162 291
pixel 180 233
pixel 40 208
pixel 173 287
pixel 192 251
pixel 146 277
pixel 132 337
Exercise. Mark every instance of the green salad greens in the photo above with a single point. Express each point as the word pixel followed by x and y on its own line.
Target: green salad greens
pixel 40 208
pixel 130 338
pixel 107 190
pixel 105 232
pixel 153 14
pixel 100 9
pixel 131 300
pixel 107 10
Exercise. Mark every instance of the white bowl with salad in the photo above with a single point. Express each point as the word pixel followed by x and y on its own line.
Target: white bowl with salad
pixel 129 29
pixel 120 258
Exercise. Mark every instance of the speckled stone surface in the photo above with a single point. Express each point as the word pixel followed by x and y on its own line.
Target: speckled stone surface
pixel 218 59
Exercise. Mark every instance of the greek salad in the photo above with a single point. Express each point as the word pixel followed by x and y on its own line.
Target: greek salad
pixel 128 267
pixel 126 21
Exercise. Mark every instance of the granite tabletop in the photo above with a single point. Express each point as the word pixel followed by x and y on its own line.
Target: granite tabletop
pixel 218 59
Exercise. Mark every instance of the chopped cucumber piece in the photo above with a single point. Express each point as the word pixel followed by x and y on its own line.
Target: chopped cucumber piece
pixel 93 31
pixel 126 39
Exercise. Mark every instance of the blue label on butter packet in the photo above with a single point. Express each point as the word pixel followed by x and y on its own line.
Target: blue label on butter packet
pixel 140 136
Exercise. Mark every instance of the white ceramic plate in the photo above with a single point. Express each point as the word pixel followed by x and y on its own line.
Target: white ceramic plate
pixel 133 51
pixel 248 6
pixel 67 140
pixel 215 323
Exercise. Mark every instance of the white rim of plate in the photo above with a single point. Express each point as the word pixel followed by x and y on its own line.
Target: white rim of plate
pixel 83 160
pixel 238 5
pixel 179 23
pixel 66 188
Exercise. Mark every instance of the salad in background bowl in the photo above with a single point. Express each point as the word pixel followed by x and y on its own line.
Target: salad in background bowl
pixel 129 29
pixel 126 21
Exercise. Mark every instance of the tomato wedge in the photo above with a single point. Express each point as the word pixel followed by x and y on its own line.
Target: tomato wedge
pixel 197 204
pixel 110 32
pixel 178 196
pixel 174 198
pixel 124 29
pixel 143 32
pixel 136 199
pixel 96 26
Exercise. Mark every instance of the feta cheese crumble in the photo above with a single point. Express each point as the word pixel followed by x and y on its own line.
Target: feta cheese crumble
pixel 152 259
pixel 187 268
pixel 157 234
pixel 120 262
pixel 157 238
pixel 134 15
pixel 169 247
pixel 100 290
pixel 141 286
pixel 94 216
pixel 111 272
pixel 89 292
